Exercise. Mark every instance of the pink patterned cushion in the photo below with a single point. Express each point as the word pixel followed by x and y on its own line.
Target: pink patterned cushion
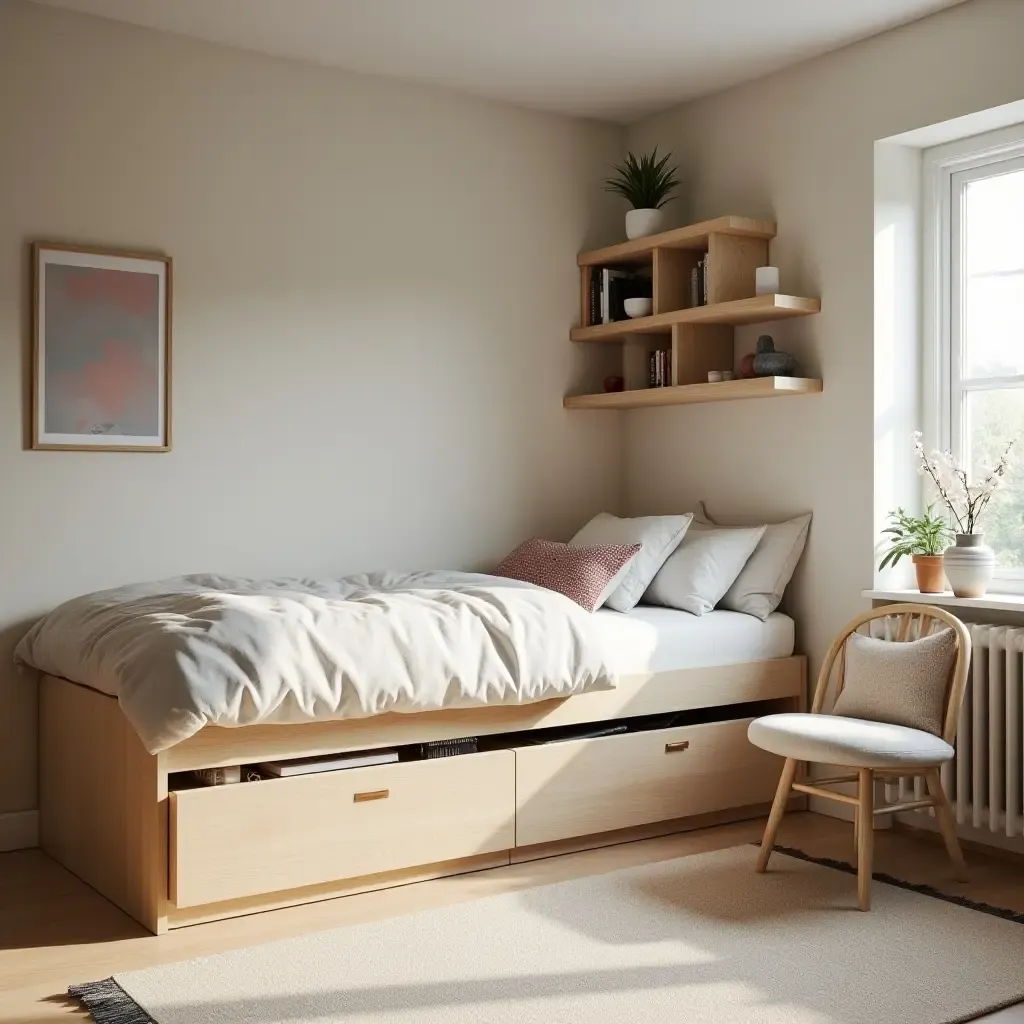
pixel 581 574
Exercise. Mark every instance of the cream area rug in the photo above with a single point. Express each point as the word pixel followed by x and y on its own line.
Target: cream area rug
pixel 700 940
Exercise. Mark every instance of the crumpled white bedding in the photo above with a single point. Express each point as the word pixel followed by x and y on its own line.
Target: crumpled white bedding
pixel 192 651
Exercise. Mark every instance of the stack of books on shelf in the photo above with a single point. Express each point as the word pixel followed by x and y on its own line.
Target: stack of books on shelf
pixel 609 289
pixel 699 283
pixel 660 369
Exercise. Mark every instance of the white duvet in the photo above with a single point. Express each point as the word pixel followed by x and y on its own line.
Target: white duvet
pixel 183 653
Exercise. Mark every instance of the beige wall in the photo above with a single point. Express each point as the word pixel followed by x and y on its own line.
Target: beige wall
pixel 373 286
pixel 797 147
pixel 373 283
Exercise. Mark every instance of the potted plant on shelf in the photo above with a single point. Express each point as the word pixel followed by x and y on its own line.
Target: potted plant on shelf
pixel 923 538
pixel 969 563
pixel 648 184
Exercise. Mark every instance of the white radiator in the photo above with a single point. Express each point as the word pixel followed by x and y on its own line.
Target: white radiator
pixel 986 779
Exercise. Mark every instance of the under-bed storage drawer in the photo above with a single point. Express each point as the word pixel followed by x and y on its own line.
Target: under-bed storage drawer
pixel 261 837
pixel 581 787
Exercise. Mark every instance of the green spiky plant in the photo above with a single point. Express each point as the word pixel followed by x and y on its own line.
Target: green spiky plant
pixel 926 534
pixel 647 183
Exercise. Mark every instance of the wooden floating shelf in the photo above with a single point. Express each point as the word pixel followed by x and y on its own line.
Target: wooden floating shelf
pixel 754 310
pixel 679 342
pixel 688 394
pixel 695 236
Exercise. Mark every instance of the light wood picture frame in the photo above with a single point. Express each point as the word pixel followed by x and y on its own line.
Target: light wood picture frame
pixel 101 349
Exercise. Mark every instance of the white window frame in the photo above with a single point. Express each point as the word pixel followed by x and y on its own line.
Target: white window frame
pixel 946 170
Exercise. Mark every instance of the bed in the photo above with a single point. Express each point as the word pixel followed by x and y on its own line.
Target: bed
pixel 129 817
pixel 650 639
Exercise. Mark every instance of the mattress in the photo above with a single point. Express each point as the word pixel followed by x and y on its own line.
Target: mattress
pixel 650 639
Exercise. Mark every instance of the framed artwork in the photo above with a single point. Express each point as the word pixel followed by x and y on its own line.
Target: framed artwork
pixel 101 366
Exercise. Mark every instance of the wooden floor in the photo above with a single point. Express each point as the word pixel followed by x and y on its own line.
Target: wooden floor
pixel 55 930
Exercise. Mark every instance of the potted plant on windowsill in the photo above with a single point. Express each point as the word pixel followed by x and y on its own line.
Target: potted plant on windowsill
pixel 648 184
pixel 923 538
pixel 969 563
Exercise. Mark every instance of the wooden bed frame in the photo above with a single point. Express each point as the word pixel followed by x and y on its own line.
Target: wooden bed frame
pixel 171 854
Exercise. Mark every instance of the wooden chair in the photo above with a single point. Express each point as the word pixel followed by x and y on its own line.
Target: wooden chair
pixel 873 749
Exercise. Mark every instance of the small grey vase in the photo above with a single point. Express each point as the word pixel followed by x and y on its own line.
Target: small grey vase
pixel 769 363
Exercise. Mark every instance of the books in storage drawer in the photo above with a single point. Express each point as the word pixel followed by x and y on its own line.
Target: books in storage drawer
pixel 329 763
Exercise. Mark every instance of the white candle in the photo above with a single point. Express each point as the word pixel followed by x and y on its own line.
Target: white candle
pixel 766 280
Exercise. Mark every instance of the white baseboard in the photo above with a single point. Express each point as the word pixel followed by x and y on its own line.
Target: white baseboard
pixel 19 830
pixel 982 836
pixel 830 808
pixel 845 812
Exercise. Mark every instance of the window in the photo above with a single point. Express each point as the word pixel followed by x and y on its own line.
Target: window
pixel 974 305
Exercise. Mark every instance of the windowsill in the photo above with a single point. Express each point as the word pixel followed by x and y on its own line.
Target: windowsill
pixel 990 602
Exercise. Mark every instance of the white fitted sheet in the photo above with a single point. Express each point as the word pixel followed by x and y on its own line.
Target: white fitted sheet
pixel 649 639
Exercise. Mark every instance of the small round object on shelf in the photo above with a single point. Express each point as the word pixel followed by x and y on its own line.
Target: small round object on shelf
pixel 637 307
pixel 770 363
pixel 714 376
pixel 747 366
pixel 614 383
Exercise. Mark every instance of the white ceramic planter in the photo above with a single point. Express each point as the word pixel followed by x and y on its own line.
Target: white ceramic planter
pixel 644 222
pixel 969 565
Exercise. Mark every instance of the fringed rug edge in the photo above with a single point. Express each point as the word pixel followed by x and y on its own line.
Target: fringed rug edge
pixel 108 1003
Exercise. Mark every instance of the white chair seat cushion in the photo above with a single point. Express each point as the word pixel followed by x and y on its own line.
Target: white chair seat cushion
pixel 849 742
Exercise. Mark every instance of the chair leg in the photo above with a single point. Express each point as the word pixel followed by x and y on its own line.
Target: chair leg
pixel 778 810
pixel 865 835
pixel 947 826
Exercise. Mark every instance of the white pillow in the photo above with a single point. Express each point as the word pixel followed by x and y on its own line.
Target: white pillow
pixel 659 535
pixel 702 569
pixel 759 587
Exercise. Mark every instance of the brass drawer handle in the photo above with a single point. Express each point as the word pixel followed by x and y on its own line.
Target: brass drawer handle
pixel 376 794
pixel 673 748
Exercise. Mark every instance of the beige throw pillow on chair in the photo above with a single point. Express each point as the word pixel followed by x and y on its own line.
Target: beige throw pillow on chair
pixel 898 683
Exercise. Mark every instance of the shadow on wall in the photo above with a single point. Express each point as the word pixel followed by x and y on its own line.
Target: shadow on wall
pixel 18 723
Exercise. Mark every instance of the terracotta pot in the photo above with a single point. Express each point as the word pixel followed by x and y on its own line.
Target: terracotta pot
pixel 931 576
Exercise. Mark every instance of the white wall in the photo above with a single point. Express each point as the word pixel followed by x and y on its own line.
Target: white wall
pixel 898 357
pixel 373 287
pixel 797 147
pixel 373 283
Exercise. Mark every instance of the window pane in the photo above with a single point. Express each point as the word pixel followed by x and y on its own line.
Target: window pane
pixel 993 297
pixel 994 209
pixel 994 325
pixel 993 418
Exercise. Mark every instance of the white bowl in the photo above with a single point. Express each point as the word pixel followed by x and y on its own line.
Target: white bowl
pixel 637 307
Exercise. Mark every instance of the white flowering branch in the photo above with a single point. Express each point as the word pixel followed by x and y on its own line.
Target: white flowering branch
pixel 965 501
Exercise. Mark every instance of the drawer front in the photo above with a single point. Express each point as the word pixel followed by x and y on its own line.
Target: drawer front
pixel 582 787
pixel 260 837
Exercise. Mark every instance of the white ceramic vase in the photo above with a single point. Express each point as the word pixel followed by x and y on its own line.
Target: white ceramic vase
pixel 644 222
pixel 969 565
